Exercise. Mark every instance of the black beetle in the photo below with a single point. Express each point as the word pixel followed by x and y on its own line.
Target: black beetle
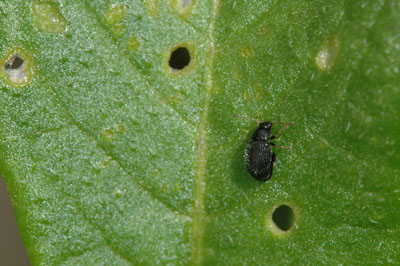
pixel 259 156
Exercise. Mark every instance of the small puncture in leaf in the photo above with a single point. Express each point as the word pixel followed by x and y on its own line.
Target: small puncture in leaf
pixel 179 59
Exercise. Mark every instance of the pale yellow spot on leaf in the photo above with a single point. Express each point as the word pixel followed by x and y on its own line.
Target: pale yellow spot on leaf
pixel 246 95
pixel 118 29
pixel 262 30
pixel 108 134
pixel 132 44
pixel 258 91
pixel 246 52
pixel 182 7
pixel 120 129
pixel 115 14
pixel 47 17
pixel 174 99
pixel 152 8
pixel 327 54
pixel 118 193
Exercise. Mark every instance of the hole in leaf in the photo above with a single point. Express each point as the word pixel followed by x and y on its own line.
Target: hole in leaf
pixel 179 59
pixel 14 63
pixel 16 67
pixel 283 217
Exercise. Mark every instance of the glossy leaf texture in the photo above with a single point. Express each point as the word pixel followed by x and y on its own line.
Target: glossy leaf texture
pixel 112 157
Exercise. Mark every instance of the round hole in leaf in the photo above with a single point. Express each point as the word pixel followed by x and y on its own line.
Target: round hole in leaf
pixel 17 67
pixel 14 63
pixel 179 58
pixel 283 217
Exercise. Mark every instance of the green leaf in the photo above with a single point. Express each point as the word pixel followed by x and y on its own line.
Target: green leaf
pixel 112 157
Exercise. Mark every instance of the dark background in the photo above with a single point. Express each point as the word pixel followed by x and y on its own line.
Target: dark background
pixel 12 251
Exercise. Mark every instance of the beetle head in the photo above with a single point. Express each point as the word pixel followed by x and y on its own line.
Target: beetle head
pixel 263 132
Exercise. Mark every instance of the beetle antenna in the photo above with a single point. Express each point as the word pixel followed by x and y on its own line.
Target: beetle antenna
pixel 281 123
pixel 250 118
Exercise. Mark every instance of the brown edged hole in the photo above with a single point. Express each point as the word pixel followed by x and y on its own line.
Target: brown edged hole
pixel 179 59
pixel 16 62
pixel 283 217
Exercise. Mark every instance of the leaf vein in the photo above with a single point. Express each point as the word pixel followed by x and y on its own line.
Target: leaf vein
pixel 120 165
pixel 201 148
pixel 114 250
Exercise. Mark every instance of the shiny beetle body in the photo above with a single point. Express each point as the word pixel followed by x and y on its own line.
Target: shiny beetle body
pixel 259 156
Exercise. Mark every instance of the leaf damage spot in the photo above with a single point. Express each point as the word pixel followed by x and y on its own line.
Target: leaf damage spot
pixel 246 95
pixel 119 29
pixel 180 58
pixel 15 63
pixel 262 30
pixel 46 17
pixel 182 7
pixel 114 16
pixel 101 164
pixel 255 92
pixel 117 193
pixel 17 68
pixel 132 44
pixel 108 134
pixel 327 54
pixel 258 91
pixel 282 219
pixel 120 128
pixel 246 52
pixel 152 8
pixel 174 99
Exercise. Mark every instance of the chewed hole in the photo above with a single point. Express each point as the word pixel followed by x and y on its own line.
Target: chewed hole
pixel 179 59
pixel 16 67
pixel 16 70
pixel 283 217
pixel 14 63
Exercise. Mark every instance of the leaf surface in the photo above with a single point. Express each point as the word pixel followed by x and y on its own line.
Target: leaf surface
pixel 113 157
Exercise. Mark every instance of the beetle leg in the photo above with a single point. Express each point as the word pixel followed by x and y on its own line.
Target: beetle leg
pixel 281 131
pixel 282 147
pixel 274 160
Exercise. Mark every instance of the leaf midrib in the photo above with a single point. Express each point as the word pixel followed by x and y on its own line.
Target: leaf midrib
pixel 198 213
